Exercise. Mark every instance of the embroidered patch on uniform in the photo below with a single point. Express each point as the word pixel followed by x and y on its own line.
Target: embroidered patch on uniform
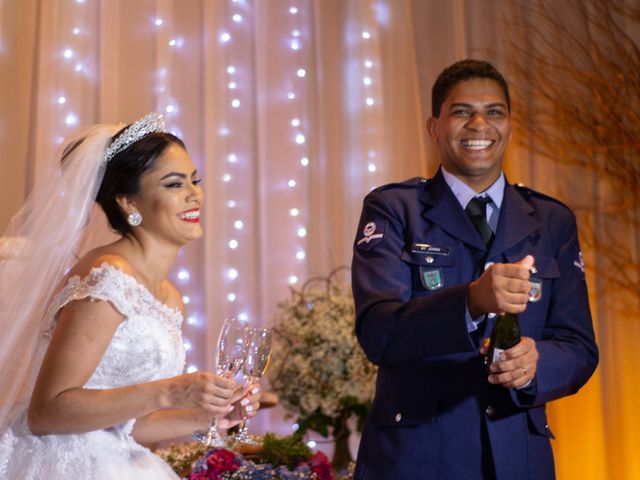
pixel 372 233
pixel 432 278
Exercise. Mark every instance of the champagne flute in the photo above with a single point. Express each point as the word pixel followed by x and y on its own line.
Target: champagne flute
pixel 255 364
pixel 230 354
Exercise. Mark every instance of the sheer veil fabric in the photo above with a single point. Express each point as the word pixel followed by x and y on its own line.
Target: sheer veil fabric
pixel 39 246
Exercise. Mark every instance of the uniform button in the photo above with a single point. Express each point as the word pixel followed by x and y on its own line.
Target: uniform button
pixel 429 259
pixel 491 314
pixel 423 180
pixel 490 411
pixel 398 417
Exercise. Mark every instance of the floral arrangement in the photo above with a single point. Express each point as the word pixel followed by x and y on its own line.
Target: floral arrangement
pixel 286 458
pixel 319 371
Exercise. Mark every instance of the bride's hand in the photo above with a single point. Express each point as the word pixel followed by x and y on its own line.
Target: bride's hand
pixel 247 400
pixel 200 390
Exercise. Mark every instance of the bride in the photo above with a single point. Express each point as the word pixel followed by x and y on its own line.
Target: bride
pixel 91 358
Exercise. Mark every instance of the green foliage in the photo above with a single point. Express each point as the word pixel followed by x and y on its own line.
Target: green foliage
pixel 289 451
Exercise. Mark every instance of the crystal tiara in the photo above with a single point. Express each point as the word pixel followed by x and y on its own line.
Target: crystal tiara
pixel 154 122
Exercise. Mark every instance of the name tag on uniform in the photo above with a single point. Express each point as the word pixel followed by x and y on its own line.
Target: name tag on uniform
pixel 430 249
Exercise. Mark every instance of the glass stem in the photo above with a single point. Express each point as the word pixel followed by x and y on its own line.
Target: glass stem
pixel 213 428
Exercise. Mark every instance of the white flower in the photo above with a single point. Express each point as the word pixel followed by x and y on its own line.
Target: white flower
pixel 317 362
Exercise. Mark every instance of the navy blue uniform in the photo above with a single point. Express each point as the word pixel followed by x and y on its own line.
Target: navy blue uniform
pixel 434 414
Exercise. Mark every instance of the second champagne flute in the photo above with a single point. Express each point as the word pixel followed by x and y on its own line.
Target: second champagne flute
pixel 255 364
pixel 230 354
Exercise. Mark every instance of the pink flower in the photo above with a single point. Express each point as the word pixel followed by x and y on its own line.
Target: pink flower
pixel 321 466
pixel 221 461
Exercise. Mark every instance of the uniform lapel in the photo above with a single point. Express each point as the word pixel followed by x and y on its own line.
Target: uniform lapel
pixel 515 223
pixel 442 208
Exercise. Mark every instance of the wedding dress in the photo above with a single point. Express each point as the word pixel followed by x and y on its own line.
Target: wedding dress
pixel 147 346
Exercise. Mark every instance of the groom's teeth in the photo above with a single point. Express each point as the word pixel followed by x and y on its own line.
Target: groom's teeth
pixel 476 144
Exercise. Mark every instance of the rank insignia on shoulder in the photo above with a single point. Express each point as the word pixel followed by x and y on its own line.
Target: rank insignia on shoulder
pixel 372 233
pixel 579 263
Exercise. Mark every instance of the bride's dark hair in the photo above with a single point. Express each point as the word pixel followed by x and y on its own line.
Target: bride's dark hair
pixel 122 176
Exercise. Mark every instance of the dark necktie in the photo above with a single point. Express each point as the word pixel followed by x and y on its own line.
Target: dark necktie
pixel 477 211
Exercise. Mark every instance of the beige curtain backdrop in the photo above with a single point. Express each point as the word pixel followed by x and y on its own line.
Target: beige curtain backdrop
pixel 292 110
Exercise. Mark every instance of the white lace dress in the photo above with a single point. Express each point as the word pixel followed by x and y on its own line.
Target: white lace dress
pixel 147 346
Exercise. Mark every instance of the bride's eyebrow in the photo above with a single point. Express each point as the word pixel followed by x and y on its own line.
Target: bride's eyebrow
pixel 174 174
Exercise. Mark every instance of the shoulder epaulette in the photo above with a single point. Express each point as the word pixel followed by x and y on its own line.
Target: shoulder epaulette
pixel 411 183
pixel 528 193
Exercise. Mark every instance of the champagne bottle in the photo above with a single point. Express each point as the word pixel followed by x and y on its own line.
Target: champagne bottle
pixel 505 334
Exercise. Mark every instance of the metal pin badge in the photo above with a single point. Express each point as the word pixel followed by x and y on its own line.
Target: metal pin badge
pixel 535 292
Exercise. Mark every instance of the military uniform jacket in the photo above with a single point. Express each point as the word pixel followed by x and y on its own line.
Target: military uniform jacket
pixel 434 414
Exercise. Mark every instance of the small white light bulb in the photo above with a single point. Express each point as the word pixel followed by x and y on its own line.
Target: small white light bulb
pixel 302 232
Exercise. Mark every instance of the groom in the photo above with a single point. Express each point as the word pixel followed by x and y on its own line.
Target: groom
pixel 432 259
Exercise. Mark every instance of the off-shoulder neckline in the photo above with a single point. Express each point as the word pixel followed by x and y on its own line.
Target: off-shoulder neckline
pixel 131 279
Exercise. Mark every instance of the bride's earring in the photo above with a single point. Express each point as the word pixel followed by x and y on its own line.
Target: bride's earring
pixel 134 219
